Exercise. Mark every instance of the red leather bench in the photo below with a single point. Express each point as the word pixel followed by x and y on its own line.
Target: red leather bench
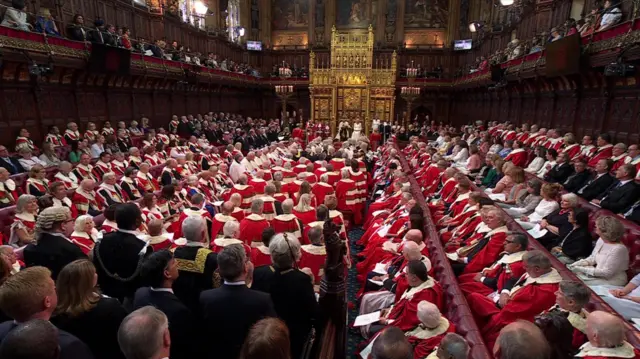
pixel 457 307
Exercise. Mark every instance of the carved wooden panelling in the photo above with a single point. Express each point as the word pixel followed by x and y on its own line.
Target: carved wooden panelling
pixel 162 106
pixel 623 119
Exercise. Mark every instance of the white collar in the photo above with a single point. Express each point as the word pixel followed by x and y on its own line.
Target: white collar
pixel 235 283
pixel 169 290
pixel 622 351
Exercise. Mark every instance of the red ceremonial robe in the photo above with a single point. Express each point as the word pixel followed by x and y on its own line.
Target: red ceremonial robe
pixel 518 157
pixel 572 152
pixel 260 256
pixel 247 192
pixel 238 214
pixel 287 223
pixel 528 298
pixel 337 163
pixel 305 217
pixel 320 190
pixel 347 193
pixel 269 209
pixel 8 193
pixel 492 245
pixel 177 225
pixel 313 257
pixel 251 228
pixel 381 204
pixel 602 153
pixel 425 340
pixel 258 185
pixel 82 201
pixel 83 241
pixel 404 312
pixel 217 223
pixel 508 268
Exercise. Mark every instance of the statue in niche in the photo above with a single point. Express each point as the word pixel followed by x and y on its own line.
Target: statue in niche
pixel 319 13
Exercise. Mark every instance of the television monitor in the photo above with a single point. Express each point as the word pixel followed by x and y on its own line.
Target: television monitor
pixel 254 45
pixel 459 45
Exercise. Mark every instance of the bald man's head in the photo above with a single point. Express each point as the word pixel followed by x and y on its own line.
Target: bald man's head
pixel 392 344
pixel 227 207
pixel 521 340
pixel 604 329
pixel 453 346
pixel 414 235
pixel 411 251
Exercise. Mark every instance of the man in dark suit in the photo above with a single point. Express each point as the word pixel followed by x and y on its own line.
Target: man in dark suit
pixel 41 304
pixel 599 183
pixel 229 312
pixel 9 163
pixel 561 171
pixel 196 264
pixel 36 338
pixel 159 271
pixel 118 255
pixel 633 213
pixel 579 179
pixel 623 194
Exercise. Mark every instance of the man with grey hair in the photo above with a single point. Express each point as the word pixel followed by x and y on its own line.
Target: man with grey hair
pixel 290 289
pixel 521 340
pixel 251 226
pixel 232 303
pixel 287 222
pixel 532 294
pixel 571 298
pixel 144 334
pixel 247 192
pixel 221 218
pixel 196 274
pixel 109 191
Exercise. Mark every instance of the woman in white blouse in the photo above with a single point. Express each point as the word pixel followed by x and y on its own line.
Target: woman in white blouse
pixel 98 147
pixel 551 161
pixel 460 158
pixel 609 261
pixel 538 162
pixel 548 204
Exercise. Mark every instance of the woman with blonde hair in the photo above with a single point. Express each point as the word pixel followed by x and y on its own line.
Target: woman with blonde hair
pixel 303 211
pixel 24 221
pixel 84 233
pixel 37 183
pixel 519 186
pixel 53 248
pixel 609 261
pixel 85 313
pixel 506 183
pixel 305 188
pixel 547 205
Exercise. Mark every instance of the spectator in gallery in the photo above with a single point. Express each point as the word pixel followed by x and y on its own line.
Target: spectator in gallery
pixel 15 16
pixel 555 35
pixel 611 15
pixel 126 41
pixel 28 160
pixel 75 30
pixel 571 27
pixel 45 23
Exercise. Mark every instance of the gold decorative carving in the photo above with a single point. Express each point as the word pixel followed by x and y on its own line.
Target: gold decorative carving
pixel 352 82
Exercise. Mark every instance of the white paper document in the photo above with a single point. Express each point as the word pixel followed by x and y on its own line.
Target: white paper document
pixel 380 269
pixel 367 319
pixel 537 232
pixel 497 196
pixel 453 256
pixel 218 203
pixel 376 282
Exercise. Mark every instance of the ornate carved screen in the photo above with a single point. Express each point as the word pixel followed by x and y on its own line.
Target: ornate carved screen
pixel 350 88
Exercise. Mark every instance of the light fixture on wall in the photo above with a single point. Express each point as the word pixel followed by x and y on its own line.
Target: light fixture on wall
pixel 200 8
pixel 476 25
pixel 507 2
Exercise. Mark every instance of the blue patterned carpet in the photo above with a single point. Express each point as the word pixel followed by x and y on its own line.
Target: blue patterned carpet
pixel 353 339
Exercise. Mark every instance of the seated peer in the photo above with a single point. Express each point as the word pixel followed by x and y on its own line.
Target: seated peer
pixel 521 337
pixel 623 194
pixel 577 243
pixel 561 171
pixel 548 164
pixel 501 275
pixel 571 299
pixel 579 178
pixel 609 261
pixel 494 312
pixel 36 284
pixel 606 335
pixel 599 182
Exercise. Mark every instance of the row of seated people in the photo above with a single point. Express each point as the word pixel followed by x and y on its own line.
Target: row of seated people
pixel 474 241
pixel 396 278
pixel 202 219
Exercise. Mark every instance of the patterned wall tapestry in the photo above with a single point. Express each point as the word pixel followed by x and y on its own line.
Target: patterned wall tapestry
pixel 290 14
pixel 426 13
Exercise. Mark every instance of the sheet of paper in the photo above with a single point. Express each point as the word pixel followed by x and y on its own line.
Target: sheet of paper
pixel 218 203
pixel 376 282
pixel 380 269
pixel 537 232
pixel 382 232
pixel 366 319
pixel 453 256
pixel 497 196
pixel 364 354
